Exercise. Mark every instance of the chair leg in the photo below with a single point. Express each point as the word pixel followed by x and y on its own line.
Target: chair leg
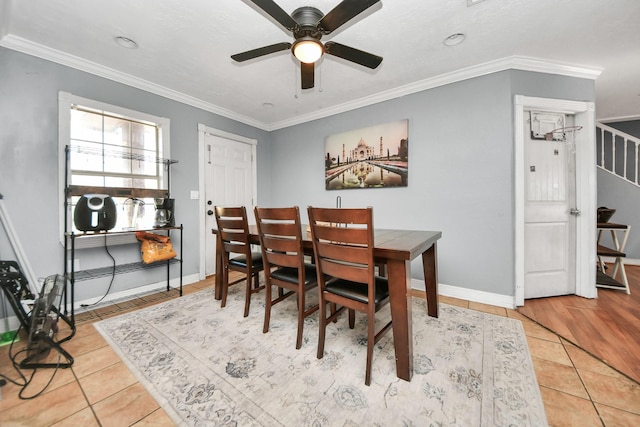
pixel 323 327
pixel 267 309
pixel 352 318
pixel 225 286
pixel 247 297
pixel 300 317
pixel 256 280
pixel 370 344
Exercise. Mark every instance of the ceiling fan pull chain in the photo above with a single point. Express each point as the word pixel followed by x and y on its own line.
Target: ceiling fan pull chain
pixel 296 84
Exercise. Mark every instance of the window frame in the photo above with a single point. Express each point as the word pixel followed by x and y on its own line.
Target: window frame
pixel 65 103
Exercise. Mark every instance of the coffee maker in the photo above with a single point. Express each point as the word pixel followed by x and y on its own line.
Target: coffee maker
pixel 164 213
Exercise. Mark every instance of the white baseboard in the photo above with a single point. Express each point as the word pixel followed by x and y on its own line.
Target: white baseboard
pixel 498 300
pixel 123 295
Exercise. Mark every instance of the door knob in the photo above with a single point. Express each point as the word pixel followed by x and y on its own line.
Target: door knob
pixel 575 212
pixel 209 212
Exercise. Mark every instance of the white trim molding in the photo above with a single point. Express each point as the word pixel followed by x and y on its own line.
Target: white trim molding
pixel 505 301
pixel 585 190
pixel 202 130
pixel 509 63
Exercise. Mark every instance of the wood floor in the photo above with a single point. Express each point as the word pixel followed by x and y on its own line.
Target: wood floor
pixel 607 327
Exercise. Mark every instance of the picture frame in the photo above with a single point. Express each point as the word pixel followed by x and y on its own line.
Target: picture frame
pixel 371 157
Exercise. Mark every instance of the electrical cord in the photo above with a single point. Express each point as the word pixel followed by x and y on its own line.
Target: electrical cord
pixel 24 383
pixel 113 275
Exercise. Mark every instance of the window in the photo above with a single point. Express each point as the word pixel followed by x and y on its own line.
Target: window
pixel 105 149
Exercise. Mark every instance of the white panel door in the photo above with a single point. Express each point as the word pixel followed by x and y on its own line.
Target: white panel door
pixel 549 229
pixel 228 182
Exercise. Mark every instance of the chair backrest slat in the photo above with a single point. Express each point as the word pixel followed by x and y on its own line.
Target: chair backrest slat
pixel 280 237
pixel 343 243
pixel 233 229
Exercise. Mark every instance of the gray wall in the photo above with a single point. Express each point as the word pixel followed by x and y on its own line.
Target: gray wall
pixel 632 127
pixel 460 170
pixel 460 178
pixel 623 197
pixel 28 153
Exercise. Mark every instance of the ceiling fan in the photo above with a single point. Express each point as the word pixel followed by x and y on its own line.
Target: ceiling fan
pixel 308 25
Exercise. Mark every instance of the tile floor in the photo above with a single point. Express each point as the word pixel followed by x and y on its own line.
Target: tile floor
pixel 99 390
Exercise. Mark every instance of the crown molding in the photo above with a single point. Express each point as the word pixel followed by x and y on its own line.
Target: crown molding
pixel 510 63
pixel 25 46
pixel 619 119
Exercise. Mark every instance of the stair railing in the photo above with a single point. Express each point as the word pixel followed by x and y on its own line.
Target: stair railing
pixel 618 153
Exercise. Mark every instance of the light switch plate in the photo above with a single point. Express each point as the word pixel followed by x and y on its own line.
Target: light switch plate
pixel 195 195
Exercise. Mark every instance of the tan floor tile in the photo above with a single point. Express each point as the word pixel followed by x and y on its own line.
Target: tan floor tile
pixel 106 382
pixel 121 312
pixel 84 316
pixel 158 418
pixel 486 308
pixel 453 301
pixel 566 410
pixel 188 290
pixel 621 392
pixel 10 392
pixel 47 409
pixel 84 418
pixel 548 350
pixel 613 417
pixel 94 361
pixel 125 407
pixel 559 377
pixel 126 304
pixel 43 376
pixel 81 344
pixel 533 329
pixel 102 311
pixel 86 328
pixel 584 361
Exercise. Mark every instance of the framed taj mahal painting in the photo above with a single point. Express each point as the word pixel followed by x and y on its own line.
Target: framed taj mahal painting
pixel 373 157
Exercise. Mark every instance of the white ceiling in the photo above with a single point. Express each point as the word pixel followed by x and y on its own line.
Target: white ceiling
pixel 185 47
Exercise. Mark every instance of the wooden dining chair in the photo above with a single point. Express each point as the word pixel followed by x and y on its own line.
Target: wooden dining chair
pixel 233 235
pixel 343 248
pixel 284 262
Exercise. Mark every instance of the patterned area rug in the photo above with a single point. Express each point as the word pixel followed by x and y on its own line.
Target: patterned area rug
pixel 208 366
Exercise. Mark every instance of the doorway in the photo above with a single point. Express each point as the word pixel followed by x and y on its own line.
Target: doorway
pixel 227 178
pixel 578 232
pixel 549 198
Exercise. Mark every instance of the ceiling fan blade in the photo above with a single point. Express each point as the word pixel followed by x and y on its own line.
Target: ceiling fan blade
pixel 351 54
pixel 261 51
pixel 306 75
pixel 277 13
pixel 342 13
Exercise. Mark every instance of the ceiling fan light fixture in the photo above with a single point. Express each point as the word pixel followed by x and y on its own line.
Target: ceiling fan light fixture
pixel 307 50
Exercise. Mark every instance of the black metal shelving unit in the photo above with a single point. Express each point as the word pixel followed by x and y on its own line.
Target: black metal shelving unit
pixel 71 237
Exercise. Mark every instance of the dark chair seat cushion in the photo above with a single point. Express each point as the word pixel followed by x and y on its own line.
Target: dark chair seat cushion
pixel 241 261
pixel 358 291
pixel 290 274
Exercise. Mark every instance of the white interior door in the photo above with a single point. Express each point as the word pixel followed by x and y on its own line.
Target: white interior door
pixel 583 114
pixel 229 180
pixel 550 200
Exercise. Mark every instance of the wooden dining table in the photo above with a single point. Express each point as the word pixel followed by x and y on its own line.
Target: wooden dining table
pixel 395 249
